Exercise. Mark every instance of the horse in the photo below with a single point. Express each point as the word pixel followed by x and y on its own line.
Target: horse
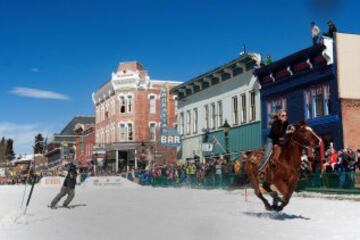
pixel 285 172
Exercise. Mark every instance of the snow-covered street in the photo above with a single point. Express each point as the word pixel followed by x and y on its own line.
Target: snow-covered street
pixel 153 213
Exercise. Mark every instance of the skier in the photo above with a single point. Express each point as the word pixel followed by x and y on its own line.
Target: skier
pixel 67 188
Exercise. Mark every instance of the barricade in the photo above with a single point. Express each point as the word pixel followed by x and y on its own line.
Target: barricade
pixel 52 181
pixel 108 181
pixel 342 182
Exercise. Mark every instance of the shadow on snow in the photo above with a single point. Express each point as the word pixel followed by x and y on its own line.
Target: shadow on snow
pixel 276 216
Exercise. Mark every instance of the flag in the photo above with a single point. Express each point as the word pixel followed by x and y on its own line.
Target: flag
pixel 215 142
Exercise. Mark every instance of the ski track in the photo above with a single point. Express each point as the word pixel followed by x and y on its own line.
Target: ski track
pixel 159 213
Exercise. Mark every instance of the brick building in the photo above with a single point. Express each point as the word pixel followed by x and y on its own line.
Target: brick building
pixel 84 143
pixel 61 149
pixel 128 118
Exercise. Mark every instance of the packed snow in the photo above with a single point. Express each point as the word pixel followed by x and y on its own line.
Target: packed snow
pixel 128 211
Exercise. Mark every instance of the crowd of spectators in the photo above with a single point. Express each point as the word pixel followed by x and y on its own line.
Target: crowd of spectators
pixel 338 169
pixel 345 160
pixel 215 171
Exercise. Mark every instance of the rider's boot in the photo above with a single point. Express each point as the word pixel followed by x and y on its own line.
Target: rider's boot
pixel 261 177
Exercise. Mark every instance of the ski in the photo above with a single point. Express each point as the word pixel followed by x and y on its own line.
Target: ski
pixel 57 207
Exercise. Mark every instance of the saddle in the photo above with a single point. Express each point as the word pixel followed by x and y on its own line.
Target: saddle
pixel 264 186
pixel 273 157
pixel 272 161
pixel 275 154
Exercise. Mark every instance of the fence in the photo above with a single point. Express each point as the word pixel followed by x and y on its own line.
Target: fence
pixel 344 182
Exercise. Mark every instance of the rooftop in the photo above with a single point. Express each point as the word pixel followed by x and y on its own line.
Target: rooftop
pixel 69 129
pixel 303 54
pixel 244 62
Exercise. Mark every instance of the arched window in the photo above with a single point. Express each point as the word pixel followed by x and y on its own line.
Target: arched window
pixel 152 104
pixel 188 122
pixel 130 131
pixel 122 132
pixel 182 124
pixel 122 104
pixel 129 104
pixel 152 127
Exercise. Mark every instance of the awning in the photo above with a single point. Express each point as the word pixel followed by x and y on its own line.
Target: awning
pixel 122 146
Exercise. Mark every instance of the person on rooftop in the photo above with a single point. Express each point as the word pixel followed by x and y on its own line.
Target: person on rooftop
pixel 315 31
pixel 332 29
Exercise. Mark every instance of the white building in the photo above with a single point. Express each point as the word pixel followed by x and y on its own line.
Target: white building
pixel 229 92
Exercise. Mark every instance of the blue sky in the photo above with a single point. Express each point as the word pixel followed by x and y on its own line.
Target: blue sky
pixel 69 48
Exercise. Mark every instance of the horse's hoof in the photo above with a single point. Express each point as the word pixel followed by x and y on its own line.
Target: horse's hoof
pixel 268 208
pixel 277 208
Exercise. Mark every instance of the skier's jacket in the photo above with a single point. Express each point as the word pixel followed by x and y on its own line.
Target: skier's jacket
pixel 70 180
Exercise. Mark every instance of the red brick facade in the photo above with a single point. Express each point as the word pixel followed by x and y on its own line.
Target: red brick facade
pixel 350 120
pixel 85 141
pixel 130 104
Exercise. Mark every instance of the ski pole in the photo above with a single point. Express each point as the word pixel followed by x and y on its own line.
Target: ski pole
pixel 30 194
pixel 26 180
pixel 23 197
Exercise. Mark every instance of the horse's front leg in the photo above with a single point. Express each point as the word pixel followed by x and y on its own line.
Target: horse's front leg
pixel 286 194
pixel 255 183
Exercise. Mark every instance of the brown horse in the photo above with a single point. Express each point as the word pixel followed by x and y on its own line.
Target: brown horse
pixel 285 172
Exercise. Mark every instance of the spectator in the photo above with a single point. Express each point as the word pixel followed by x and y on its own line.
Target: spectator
pixel 315 31
pixel 268 60
pixel 304 164
pixel 333 157
pixel 237 167
pixel 218 171
pixel 332 29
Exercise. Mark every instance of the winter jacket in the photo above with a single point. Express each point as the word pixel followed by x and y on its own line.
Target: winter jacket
pixel 70 180
pixel 278 130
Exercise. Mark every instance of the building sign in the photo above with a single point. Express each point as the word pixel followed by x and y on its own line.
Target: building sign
pixel 163 111
pixel 207 147
pixel 170 138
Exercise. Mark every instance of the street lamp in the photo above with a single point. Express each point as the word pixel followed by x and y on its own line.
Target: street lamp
pixel 226 128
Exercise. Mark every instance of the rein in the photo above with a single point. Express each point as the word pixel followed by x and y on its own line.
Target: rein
pixel 300 144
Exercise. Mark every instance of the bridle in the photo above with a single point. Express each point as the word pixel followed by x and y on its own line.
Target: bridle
pixel 303 145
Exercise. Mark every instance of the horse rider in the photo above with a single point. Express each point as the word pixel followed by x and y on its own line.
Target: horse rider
pixel 279 128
